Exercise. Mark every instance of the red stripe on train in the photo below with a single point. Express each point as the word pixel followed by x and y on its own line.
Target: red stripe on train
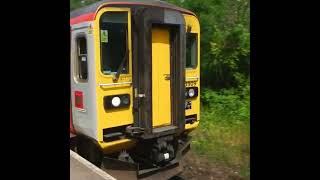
pixel 82 18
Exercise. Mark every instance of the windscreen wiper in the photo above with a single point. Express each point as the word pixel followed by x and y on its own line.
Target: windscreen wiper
pixel 124 60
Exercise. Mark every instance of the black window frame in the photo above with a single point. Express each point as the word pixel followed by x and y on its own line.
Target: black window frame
pixel 127 65
pixel 78 64
pixel 195 65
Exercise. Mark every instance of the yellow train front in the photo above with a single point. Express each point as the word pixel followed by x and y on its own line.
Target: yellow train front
pixel 135 84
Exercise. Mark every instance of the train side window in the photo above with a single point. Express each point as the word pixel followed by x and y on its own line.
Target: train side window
pixel 114 43
pixel 191 50
pixel 82 58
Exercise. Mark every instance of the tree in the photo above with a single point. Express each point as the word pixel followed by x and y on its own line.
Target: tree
pixel 225 40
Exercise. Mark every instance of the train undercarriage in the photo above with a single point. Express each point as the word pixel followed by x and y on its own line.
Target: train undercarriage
pixel 157 159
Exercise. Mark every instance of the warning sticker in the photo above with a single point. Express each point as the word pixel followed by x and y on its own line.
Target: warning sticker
pixel 104 36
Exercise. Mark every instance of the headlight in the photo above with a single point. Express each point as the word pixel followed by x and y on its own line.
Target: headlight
pixel 191 92
pixel 116 101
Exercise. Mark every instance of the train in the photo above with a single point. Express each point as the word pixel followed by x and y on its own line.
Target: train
pixel 135 85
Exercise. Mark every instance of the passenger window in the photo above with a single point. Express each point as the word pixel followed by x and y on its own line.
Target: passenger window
pixel 82 58
pixel 114 43
pixel 191 51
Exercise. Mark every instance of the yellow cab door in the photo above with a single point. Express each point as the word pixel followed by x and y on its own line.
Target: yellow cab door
pixel 161 98
pixel 193 67
pixel 113 68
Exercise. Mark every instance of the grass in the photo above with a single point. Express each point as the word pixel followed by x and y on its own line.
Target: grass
pixel 224 132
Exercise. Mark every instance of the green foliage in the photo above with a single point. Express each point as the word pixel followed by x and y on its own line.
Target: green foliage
pixel 225 40
pixel 231 104
pixel 75 4
pixel 223 143
pixel 223 135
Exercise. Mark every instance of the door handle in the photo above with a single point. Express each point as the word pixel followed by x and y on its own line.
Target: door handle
pixel 138 95
pixel 167 76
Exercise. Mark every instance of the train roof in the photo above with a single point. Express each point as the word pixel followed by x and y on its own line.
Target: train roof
pixel 93 8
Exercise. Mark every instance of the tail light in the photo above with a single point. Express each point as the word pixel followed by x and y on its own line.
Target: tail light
pixel 78 96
